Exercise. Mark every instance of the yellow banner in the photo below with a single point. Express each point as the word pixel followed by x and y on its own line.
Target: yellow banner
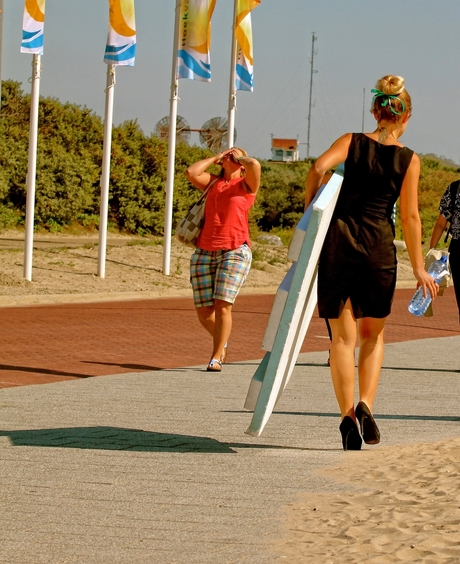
pixel 243 34
pixel 121 40
pixel 193 58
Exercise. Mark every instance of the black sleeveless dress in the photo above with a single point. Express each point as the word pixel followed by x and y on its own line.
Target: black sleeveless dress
pixel 358 259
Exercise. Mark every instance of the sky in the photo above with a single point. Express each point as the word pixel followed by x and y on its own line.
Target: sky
pixel 358 41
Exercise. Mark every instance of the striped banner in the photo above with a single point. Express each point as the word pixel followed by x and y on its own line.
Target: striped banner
pixel 244 79
pixel 193 58
pixel 121 40
pixel 32 27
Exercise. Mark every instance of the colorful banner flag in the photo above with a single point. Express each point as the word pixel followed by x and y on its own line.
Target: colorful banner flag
pixel 244 79
pixel 193 59
pixel 32 27
pixel 121 40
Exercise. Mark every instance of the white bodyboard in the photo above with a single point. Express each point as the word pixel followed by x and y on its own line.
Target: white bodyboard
pixel 293 308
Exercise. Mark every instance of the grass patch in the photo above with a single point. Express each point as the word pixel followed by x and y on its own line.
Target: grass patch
pixel 145 243
pixel 258 254
pixel 14 250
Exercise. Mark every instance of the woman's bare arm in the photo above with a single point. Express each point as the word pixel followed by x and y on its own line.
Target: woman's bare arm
pixel 196 173
pixel 252 177
pixel 438 230
pixel 412 226
pixel 335 155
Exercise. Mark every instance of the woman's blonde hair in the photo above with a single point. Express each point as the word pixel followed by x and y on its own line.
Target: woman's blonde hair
pixel 242 150
pixel 391 100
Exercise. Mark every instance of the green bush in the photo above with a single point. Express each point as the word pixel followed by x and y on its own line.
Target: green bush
pixel 434 179
pixel 69 160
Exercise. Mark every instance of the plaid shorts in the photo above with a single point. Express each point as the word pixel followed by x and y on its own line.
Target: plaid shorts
pixel 218 275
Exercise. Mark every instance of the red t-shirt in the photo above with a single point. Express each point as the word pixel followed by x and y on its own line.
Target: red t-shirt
pixel 226 216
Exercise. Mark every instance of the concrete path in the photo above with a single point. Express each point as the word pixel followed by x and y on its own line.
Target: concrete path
pixel 155 466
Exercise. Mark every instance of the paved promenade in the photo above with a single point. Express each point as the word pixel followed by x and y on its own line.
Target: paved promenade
pixel 152 464
pixel 76 341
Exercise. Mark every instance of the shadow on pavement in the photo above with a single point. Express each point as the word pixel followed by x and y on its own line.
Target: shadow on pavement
pixel 117 438
pixel 402 368
pixel 114 438
pixel 122 365
pixel 34 370
pixel 376 415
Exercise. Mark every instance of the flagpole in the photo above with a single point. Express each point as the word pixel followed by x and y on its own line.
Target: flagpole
pixel 171 149
pixel 105 176
pixel 1 49
pixel 232 89
pixel 32 167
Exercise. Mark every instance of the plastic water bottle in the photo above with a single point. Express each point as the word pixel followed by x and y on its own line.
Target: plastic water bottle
pixel 419 304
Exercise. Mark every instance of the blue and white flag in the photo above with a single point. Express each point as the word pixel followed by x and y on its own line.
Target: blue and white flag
pixel 121 40
pixel 244 79
pixel 193 58
pixel 32 27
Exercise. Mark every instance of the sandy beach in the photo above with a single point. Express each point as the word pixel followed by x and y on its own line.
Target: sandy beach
pixel 405 508
pixel 65 269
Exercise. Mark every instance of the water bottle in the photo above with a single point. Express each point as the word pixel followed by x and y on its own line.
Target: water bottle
pixel 419 304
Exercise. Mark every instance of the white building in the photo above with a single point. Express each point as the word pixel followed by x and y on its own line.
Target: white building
pixel 285 150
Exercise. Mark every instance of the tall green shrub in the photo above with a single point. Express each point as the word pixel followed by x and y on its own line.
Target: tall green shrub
pixel 69 160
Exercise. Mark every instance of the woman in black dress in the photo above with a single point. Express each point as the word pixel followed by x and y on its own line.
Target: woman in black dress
pixel 357 267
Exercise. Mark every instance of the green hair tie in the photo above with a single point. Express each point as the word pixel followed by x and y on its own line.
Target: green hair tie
pixel 387 100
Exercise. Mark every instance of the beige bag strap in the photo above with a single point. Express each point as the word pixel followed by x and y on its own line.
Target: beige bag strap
pixel 209 186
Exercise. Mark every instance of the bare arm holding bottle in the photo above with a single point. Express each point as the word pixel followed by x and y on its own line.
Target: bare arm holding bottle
pixel 412 227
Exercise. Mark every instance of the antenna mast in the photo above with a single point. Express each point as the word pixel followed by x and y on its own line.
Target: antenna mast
pixel 313 39
pixel 364 101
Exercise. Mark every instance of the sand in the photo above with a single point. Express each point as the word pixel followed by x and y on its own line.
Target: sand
pixel 65 269
pixel 404 507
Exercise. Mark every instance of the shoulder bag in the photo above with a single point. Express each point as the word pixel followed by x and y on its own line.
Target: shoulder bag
pixel 190 226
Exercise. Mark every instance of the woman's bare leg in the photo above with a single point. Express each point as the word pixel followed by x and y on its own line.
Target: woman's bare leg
pixel 343 359
pixel 371 349
pixel 222 327
pixel 207 318
pixel 217 320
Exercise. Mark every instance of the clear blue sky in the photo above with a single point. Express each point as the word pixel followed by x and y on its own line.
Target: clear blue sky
pixel 358 41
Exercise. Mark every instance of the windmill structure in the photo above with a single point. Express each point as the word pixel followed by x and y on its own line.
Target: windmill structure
pixel 182 129
pixel 213 133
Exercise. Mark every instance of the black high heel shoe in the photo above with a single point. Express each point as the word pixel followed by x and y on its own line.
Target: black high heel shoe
pixel 351 439
pixel 369 429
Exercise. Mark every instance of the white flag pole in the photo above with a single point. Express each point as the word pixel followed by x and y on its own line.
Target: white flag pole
pixel 232 89
pixel 105 177
pixel 171 150
pixel 1 47
pixel 32 167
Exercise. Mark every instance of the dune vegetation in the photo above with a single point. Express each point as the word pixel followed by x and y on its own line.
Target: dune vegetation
pixel 69 163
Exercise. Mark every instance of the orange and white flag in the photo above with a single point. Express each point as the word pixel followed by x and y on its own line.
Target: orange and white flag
pixel 32 27
pixel 244 78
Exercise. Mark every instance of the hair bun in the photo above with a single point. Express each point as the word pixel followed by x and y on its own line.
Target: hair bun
pixel 390 84
pixel 391 99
